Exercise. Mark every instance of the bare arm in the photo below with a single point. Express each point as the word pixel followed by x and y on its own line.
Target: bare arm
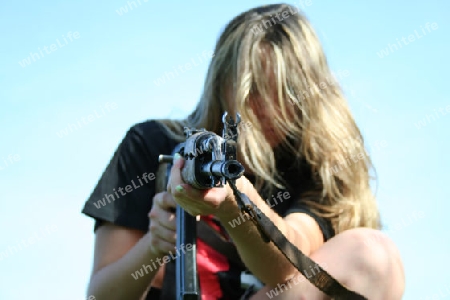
pixel 299 228
pixel 120 252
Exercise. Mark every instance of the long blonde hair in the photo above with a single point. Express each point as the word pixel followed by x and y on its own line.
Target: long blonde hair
pixel 309 107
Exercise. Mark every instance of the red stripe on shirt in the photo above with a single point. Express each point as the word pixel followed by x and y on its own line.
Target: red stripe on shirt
pixel 209 263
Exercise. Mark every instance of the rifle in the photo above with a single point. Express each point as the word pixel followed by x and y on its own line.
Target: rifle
pixel 210 161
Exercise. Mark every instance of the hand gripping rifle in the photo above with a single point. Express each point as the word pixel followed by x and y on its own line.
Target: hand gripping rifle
pixel 210 161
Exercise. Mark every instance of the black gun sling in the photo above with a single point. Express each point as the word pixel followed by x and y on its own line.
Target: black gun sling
pixel 321 279
pixel 269 232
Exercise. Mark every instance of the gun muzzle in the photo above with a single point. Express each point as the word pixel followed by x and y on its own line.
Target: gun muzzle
pixel 230 169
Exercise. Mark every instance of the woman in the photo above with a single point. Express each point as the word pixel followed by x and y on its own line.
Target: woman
pixel 299 139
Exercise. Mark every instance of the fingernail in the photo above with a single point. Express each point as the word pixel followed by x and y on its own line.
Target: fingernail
pixel 176 157
pixel 179 188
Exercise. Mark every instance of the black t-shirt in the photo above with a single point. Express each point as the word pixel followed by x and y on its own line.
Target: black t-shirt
pixel 123 195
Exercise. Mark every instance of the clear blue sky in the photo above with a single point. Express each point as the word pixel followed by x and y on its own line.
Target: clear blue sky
pixel 105 79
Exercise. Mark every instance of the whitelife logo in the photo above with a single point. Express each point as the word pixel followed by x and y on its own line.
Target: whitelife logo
pixel 35 56
pixel 146 268
pixel 11 160
pixel 128 189
pixel 280 196
pixel 72 127
pixel 391 48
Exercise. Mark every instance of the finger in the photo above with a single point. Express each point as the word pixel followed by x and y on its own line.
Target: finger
pixel 175 172
pixel 167 202
pixel 157 199
pixel 187 191
pixel 167 236
pixel 167 220
pixel 162 247
pixel 164 201
pixel 163 233
pixel 160 215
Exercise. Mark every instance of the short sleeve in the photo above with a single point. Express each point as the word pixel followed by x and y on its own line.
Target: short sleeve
pixel 124 192
pixel 325 225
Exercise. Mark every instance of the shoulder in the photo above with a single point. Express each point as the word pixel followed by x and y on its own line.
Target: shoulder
pixel 149 135
pixel 124 191
pixel 149 128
